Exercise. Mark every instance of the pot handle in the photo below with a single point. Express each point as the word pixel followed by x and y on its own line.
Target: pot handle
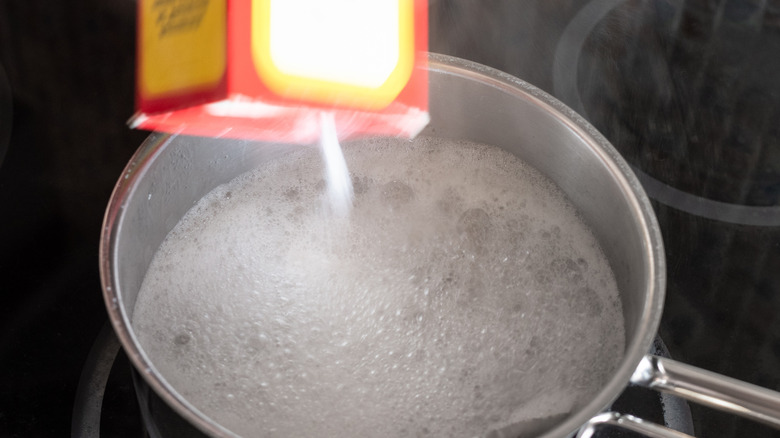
pixel 629 422
pixel 710 389
pixel 694 384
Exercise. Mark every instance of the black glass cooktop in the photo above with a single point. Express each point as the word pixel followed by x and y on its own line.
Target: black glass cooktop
pixel 688 91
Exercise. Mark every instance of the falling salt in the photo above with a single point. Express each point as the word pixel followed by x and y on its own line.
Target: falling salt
pixel 340 191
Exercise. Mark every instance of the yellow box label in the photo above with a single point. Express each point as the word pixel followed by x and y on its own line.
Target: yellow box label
pixel 183 45
pixel 354 52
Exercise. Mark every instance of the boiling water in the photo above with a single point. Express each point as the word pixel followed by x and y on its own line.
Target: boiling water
pixel 463 297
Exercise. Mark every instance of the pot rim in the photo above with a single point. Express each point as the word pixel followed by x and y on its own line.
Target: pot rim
pixel 636 347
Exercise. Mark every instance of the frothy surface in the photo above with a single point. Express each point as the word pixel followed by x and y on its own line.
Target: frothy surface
pixel 462 297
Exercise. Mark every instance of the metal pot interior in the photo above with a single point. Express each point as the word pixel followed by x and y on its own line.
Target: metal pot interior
pixel 467 102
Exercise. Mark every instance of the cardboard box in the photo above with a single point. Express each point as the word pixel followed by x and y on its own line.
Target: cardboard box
pixel 266 69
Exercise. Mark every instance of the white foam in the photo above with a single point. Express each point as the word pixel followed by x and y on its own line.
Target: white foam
pixel 462 296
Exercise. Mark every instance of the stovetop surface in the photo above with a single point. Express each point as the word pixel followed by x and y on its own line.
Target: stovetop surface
pixel 688 91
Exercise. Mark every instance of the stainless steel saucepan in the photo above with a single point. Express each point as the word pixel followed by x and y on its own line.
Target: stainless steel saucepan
pixel 467 102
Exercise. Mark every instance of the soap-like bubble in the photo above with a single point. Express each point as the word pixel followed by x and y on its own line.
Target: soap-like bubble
pixel 462 297
pixel 475 227
pixel 396 193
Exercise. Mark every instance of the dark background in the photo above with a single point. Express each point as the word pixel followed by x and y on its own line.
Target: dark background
pixel 70 67
pixel 686 90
